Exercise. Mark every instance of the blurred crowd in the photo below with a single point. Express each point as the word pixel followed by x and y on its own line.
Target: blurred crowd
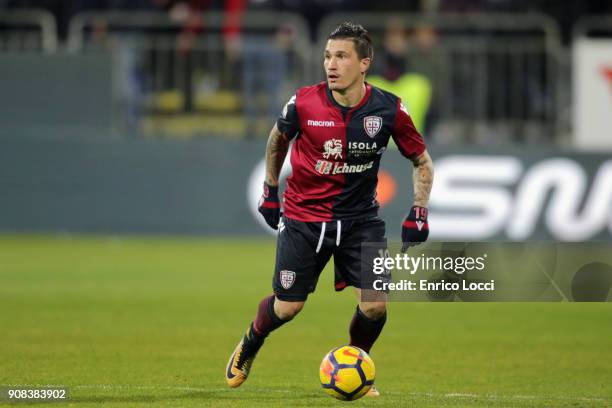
pixel 565 12
pixel 412 60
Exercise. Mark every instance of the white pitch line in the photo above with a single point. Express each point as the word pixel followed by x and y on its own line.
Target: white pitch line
pixel 260 389
pixel 414 394
pixel 501 397
pixel 170 388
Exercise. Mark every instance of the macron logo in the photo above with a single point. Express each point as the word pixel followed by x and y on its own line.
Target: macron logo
pixel 321 123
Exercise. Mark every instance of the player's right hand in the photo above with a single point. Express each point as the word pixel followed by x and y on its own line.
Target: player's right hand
pixel 269 205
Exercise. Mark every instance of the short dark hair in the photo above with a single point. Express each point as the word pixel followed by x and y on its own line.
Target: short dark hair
pixel 358 34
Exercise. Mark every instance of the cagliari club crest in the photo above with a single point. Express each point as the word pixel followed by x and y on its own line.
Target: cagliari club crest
pixel 287 278
pixel 372 125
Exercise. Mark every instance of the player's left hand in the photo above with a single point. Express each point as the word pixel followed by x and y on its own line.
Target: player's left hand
pixel 269 205
pixel 415 228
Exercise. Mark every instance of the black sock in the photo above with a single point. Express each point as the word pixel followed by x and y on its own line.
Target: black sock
pixel 364 331
pixel 265 322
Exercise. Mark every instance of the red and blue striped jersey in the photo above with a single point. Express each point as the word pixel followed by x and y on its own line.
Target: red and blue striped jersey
pixel 336 151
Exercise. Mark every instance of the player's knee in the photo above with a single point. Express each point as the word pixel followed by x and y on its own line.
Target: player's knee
pixel 373 310
pixel 287 310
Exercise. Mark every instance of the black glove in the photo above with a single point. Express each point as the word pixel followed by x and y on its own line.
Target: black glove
pixel 269 206
pixel 415 228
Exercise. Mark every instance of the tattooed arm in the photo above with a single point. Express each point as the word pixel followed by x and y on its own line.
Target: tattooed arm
pixel 415 228
pixel 276 151
pixel 422 178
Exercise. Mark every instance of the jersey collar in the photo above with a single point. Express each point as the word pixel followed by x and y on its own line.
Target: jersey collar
pixel 362 102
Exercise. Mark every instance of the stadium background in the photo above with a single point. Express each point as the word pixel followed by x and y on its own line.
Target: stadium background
pixel 131 137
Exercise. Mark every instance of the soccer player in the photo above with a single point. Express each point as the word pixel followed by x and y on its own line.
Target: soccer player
pixel 339 129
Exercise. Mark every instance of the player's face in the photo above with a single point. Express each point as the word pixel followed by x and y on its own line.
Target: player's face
pixel 343 66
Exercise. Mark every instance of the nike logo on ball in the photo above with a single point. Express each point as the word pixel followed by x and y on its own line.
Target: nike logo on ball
pixel 348 353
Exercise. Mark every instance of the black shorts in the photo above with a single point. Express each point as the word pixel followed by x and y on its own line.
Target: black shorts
pixel 304 248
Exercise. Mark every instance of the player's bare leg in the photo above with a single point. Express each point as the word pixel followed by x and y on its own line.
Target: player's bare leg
pixel 271 314
pixel 368 321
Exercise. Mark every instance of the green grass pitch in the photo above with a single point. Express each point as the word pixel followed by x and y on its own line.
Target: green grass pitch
pixel 150 322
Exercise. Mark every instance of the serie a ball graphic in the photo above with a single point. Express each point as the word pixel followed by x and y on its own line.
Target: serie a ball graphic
pixel 347 373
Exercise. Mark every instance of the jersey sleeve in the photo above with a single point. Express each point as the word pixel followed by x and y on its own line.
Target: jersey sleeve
pixel 406 136
pixel 288 122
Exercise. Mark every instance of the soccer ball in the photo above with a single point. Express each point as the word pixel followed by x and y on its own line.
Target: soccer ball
pixel 347 373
